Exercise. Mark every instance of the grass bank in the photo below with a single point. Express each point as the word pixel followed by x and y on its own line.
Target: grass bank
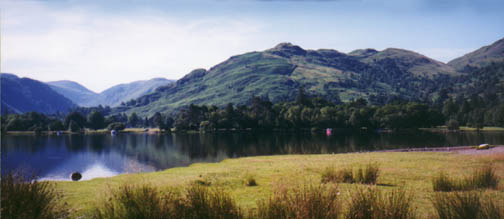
pixel 414 170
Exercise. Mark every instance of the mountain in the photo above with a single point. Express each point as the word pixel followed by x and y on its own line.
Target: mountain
pixel 480 58
pixel 26 95
pixel 277 73
pixel 124 92
pixel 110 97
pixel 74 91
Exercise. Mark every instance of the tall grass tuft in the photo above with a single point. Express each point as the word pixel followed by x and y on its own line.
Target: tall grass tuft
pixel 201 202
pixel 367 175
pixel 373 204
pixel 483 178
pixel 135 202
pixel 148 202
pixel 302 202
pixel 370 174
pixel 443 183
pixel 25 197
pixel 466 205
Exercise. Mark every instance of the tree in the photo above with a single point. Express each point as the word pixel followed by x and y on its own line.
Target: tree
pixel 133 120
pixel 157 120
pixel 301 98
pixel 96 120
pixel 77 118
pixel 73 126
pixel 56 126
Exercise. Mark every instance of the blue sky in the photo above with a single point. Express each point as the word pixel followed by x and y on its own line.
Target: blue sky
pixel 103 43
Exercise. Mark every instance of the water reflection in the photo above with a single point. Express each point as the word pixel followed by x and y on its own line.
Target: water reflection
pixel 55 157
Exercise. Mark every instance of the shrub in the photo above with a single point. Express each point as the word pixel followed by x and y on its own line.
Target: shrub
pixel 301 202
pixel 373 204
pixel 24 197
pixel 461 205
pixel 147 202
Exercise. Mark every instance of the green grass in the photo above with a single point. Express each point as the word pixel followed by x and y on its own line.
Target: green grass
pixel 414 169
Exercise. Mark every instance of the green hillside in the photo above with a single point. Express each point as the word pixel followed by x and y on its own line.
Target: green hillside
pixel 480 58
pixel 277 74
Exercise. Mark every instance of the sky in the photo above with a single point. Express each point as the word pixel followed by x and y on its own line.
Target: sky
pixel 100 44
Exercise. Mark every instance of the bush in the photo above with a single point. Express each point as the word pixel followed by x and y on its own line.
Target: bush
pixel 118 126
pixel 28 198
pixel 301 202
pixel 147 202
pixel 483 178
pixel 372 203
pixel 461 205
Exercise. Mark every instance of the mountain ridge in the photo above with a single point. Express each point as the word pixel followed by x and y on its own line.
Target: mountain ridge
pixel 278 72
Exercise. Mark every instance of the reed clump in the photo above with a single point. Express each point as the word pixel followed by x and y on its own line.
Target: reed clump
pixel 308 201
pixel 483 178
pixel 372 203
pixel 148 202
pixel 26 197
pixel 465 205
pixel 364 175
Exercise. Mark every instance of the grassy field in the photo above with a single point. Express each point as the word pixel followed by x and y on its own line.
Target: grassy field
pixel 414 170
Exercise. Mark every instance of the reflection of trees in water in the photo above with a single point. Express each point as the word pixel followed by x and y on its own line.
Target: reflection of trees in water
pixel 165 151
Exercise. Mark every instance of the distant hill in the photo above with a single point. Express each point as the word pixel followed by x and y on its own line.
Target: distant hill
pixel 110 97
pixel 480 58
pixel 277 74
pixel 75 92
pixel 21 95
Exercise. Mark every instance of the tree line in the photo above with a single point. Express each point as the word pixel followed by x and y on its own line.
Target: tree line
pixel 261 114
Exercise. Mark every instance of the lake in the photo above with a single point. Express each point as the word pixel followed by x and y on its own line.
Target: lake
pixel 56 157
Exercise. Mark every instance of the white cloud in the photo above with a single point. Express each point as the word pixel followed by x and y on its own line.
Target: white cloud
pixel 100 50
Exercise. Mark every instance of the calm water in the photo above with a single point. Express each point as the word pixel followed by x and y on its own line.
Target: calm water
pixel 56 157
